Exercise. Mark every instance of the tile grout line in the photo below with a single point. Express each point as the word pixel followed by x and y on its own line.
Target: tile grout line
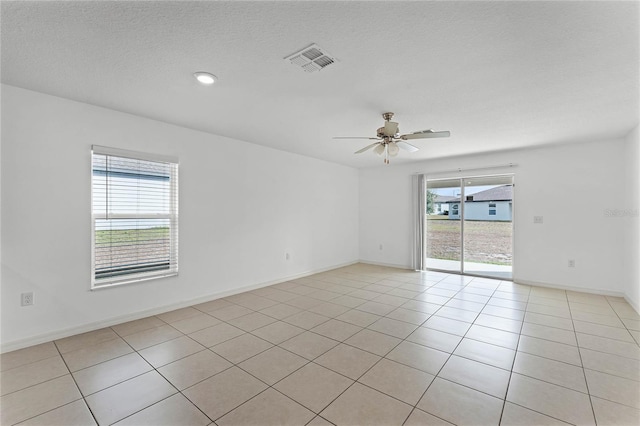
pixel 463 337
pixel 622 321
pixel 237 364
pixel 257 378
pixel 581 366
pixel 437 375
pixel 76 383
pixel 293 372
pixel 322 301
pixel 584 373
pixel 356 380
pixel 73 378
pixel 66 366
pixel 555 384
pixel 178 391
pixel 513 363
pixel 153 368
pixel 538 379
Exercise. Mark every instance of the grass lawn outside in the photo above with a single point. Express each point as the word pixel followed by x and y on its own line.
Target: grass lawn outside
pixel 484 242
pixel 120 247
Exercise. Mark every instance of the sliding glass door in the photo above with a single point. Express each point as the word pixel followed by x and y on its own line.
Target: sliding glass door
pixel 444 227
pixel 469 225
pixel 488 226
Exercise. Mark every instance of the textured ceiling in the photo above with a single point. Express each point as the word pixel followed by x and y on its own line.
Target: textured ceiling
pixel 498 75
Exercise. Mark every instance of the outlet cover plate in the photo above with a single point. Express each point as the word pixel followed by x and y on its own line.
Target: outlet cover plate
pixel 26 299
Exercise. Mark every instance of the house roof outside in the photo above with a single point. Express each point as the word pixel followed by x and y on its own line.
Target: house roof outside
pixel 499 193
pixel 444 198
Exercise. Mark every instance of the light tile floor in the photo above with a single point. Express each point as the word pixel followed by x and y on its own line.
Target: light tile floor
pixel 360 345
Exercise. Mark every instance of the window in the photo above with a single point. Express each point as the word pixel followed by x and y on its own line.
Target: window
pixel 134 216
pixel 492 205
pixel 492 212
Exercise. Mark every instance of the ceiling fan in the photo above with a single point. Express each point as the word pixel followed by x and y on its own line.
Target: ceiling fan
pixel 389 141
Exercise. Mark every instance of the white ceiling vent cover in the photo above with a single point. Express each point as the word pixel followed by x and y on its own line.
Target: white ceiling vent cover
pixel 312 58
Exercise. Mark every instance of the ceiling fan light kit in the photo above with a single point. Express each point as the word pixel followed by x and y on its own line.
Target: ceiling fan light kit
pixel 393 149
pixel 389 141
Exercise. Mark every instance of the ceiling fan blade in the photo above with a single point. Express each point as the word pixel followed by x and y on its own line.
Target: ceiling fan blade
pixel 390 128
pixel 366 148
pixel 407 146
pixel 425 135
pixel 355 137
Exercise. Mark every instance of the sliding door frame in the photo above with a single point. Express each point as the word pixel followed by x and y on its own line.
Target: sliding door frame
pixel 462 220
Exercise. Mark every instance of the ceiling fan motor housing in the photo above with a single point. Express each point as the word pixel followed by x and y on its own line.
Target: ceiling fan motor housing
pixel 387 138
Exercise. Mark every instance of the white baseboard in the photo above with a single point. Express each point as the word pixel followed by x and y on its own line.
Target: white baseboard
pixel 389 265
pixel 60 334
pixel 632 303
pixel 603 292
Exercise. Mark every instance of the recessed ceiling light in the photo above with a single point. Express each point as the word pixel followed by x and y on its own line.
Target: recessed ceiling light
pixel 205 78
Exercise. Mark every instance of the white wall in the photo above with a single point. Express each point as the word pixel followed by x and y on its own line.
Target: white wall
pixel 631 219
pixel 242 206
pixel 569 185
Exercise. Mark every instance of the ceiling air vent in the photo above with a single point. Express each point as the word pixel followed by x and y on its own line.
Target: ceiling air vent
pixel 312 58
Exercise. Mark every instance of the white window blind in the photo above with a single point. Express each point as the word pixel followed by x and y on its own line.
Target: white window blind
pixel 134 216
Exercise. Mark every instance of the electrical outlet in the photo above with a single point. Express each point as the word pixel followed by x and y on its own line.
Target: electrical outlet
pixel 287 256
pixel 537 219
pixel 572 263
pixel 26 299
pixel 380 246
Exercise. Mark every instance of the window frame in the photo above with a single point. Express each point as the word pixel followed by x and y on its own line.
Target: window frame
pixel 172 216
